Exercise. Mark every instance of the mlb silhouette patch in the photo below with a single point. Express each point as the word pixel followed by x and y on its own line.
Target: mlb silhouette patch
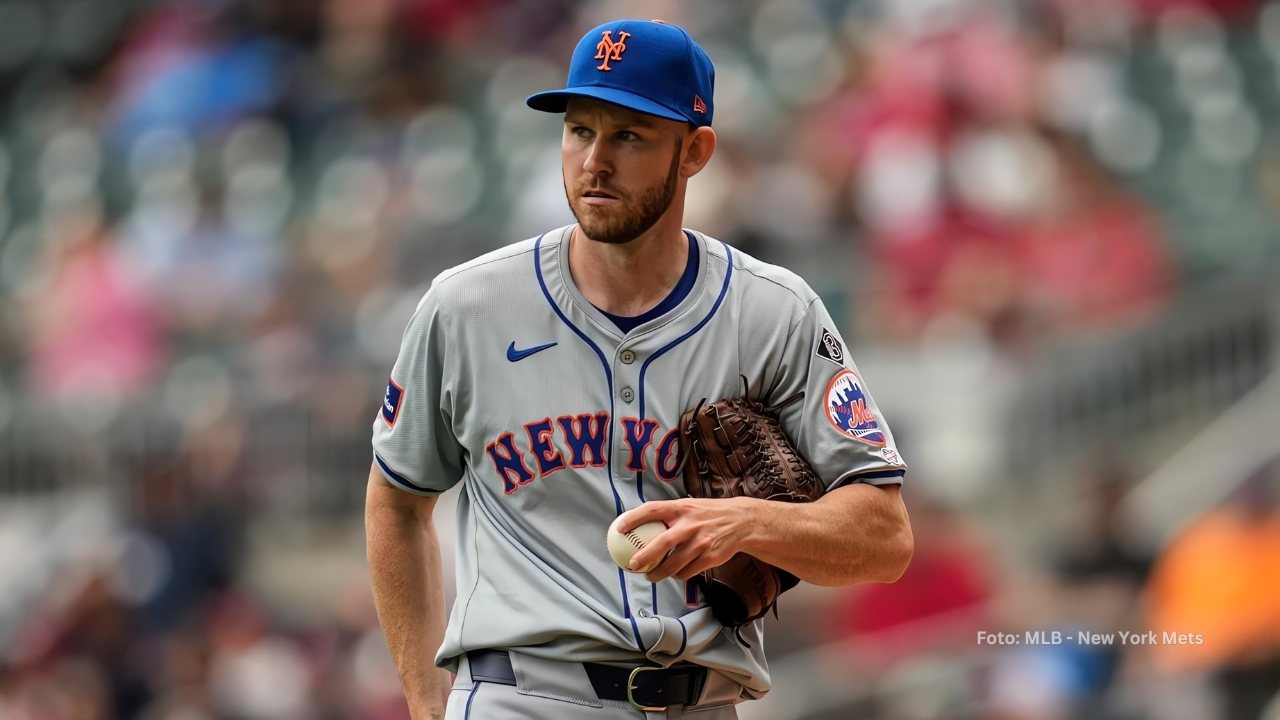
pixel 846 407
pixel 829 347
pixel 391 402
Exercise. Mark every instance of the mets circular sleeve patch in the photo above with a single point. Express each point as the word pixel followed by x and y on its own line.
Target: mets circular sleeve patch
pixel 846 406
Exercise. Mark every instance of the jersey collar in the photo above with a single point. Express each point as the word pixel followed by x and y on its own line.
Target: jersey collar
pixel 556 265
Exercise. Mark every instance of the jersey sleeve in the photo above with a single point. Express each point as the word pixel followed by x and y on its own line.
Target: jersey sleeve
pixel 837 425
pixel 413 439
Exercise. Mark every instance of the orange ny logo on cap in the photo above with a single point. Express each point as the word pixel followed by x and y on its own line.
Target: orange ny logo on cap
pixel 607 49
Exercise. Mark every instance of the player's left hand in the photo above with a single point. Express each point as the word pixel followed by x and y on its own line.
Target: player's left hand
pixel 701 533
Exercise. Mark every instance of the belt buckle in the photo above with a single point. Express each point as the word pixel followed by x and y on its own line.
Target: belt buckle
pixel 631 687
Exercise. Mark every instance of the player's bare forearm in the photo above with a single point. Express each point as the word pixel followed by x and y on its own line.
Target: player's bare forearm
pixel 408 590
pixel 858 533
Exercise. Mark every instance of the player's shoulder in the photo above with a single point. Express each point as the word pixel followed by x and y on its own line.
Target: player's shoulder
pixel 497 273
pixel 756 278
pixel 494 277
pixel 513 258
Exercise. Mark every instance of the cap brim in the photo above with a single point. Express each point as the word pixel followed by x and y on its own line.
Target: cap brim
pixel 555 101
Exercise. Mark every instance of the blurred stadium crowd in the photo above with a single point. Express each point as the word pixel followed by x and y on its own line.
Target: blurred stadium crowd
pixel 217 216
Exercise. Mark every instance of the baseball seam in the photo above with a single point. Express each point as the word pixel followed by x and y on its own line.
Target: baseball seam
pixel 635 540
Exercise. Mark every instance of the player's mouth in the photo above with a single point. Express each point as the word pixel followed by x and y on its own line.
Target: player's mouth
pixel 598 197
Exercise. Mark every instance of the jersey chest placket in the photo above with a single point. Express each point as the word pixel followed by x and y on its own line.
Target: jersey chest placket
pixel 637 438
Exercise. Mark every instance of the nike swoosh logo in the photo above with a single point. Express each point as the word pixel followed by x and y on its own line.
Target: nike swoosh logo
pixel 515 355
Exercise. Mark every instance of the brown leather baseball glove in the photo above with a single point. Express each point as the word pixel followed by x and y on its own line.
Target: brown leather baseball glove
pixel 736 447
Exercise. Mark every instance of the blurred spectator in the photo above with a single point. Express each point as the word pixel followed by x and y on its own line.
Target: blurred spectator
pixel 1099 550
pixel 74 659
pixel 213 276
pixel 925 91
pixel 260 189
pixel 1220 580
pixel 1095 256
pixel 1237 10
pixel 93 329
pixel 193 66
pixel 253 674
pixel 1037 682
pixel 1099 580
pixel 196 538
pixel 938 604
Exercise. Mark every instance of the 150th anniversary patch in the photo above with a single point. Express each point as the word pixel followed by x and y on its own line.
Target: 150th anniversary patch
pixel 846 407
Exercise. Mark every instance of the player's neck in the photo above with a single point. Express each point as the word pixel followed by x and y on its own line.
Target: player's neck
pixel 631 278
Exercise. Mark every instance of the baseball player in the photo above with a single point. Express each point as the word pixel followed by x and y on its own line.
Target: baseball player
pixel 548 378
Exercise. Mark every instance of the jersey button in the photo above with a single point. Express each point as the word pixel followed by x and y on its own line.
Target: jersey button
pixel 642 613
pixel 627 357
pixel 628 394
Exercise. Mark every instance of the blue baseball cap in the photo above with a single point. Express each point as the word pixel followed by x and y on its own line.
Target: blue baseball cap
pixel 644 65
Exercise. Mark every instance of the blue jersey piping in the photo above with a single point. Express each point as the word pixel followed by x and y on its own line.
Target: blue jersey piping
pixel 608 376
pixel 470 696
pixel 397 477
pixel 724 290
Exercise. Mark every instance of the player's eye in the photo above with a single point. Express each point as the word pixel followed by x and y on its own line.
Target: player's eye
pixel 628 135
pixel 580 131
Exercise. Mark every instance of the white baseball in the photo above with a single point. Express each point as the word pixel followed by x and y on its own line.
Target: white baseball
pixel 622 546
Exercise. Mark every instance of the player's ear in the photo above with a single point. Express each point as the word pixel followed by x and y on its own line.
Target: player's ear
pixel 699 145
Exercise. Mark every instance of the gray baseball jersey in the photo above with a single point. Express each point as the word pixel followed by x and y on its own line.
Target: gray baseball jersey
pixel 556 422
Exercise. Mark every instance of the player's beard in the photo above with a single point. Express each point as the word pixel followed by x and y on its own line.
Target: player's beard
pixel 618 224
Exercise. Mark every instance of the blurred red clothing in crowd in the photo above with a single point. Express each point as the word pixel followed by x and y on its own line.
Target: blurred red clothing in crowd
pixel 939 602
pixel 1089 268
pixel 1097 254
pixel 1226 9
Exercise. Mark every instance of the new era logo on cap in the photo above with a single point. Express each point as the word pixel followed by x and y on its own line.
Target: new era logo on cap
pixel 644 65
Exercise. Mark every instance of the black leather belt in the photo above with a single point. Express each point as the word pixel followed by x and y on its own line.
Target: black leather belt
pixel 647 687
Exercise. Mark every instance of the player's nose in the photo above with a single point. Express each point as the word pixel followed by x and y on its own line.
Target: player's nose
pixel 598 159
